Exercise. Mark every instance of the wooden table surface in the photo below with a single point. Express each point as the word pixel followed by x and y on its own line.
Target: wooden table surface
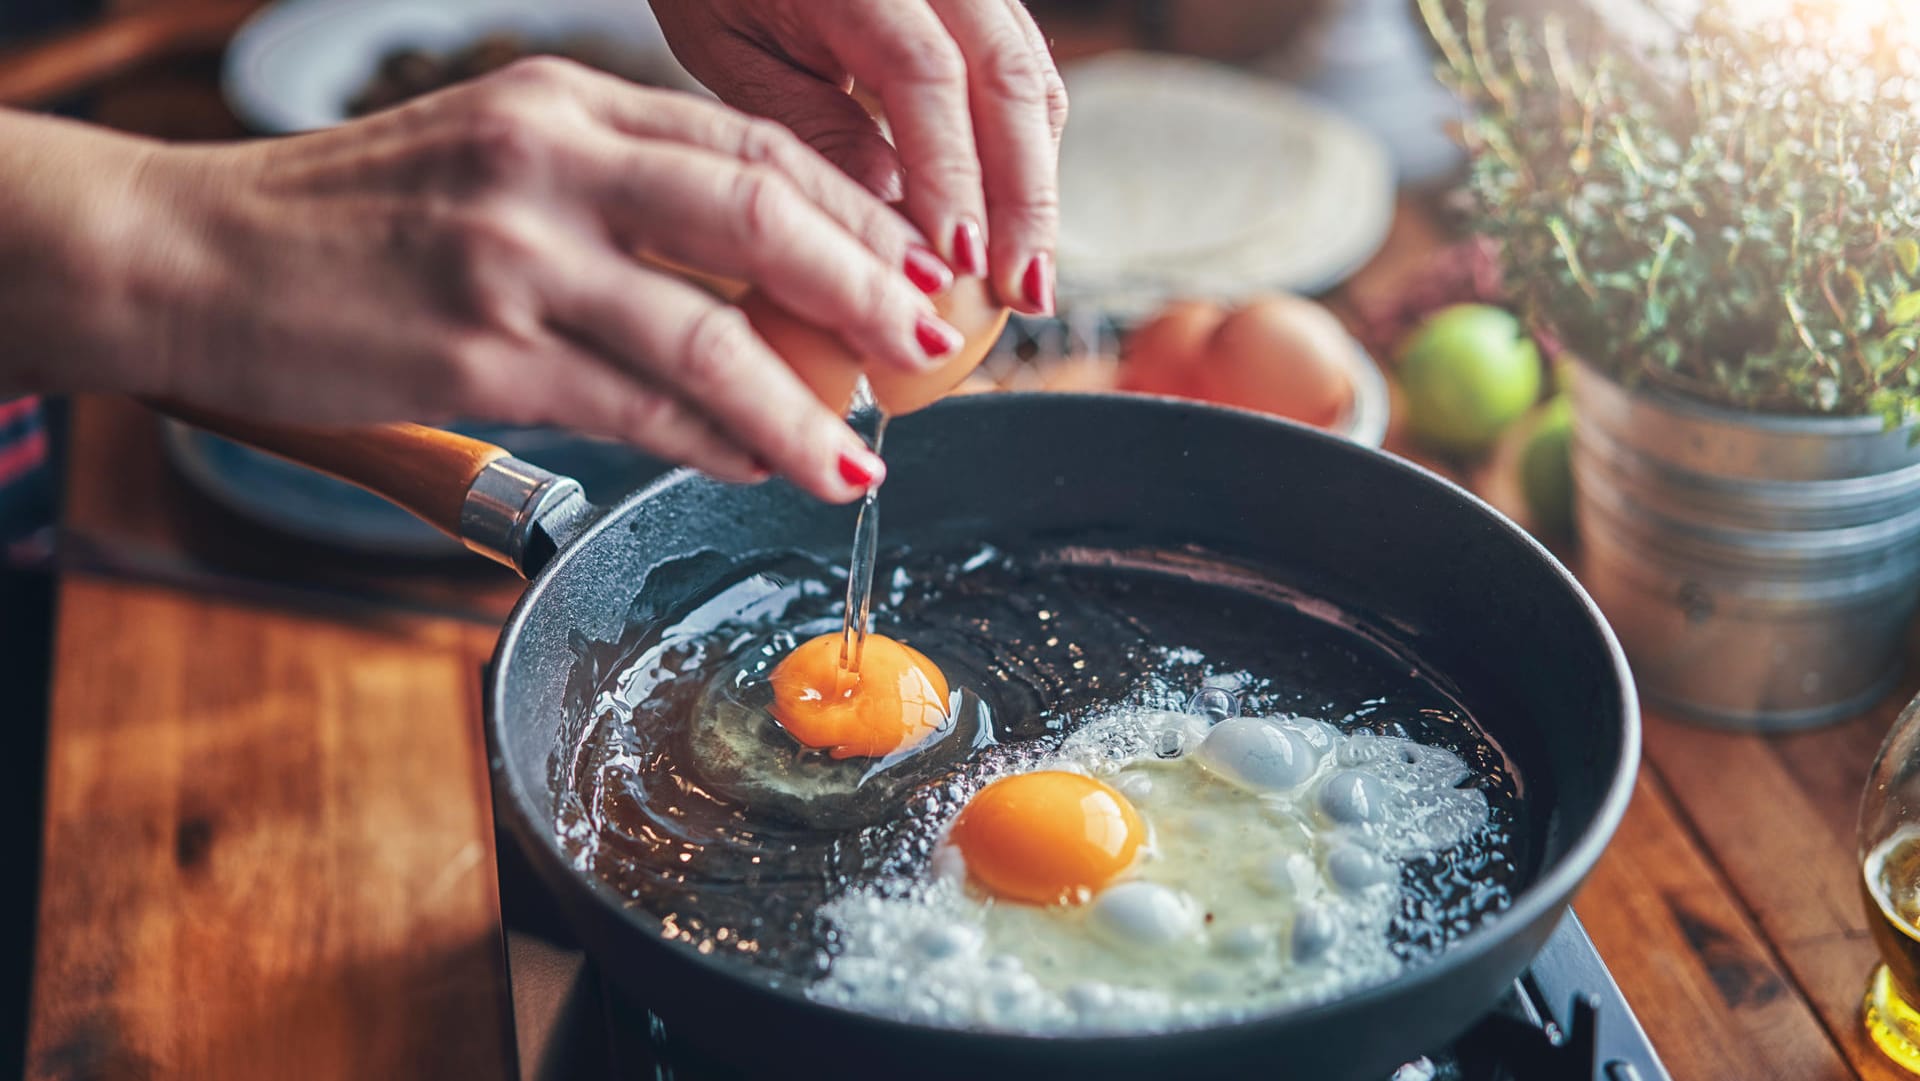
pixel 269 847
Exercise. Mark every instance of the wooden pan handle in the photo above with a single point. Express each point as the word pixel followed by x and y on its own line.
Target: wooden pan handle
pixel 47 70
pixel 424 470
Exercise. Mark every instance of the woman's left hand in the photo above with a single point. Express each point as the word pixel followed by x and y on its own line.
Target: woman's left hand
pixel 970 92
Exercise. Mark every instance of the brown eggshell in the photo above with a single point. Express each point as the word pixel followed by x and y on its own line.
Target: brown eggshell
pixel 1163 353
pixel 1281 355
pixel 831 369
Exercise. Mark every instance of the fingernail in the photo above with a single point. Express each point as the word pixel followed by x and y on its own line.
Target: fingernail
pixel 1036 285
pixel 861 468
pixel 927 273
pixel 969 251
pixel 936 338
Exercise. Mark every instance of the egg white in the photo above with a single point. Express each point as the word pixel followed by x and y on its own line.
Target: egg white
pixel 1271 875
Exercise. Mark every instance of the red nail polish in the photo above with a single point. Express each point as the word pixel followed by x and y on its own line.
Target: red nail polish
pixel 969 251
pixel 927 273
pixel 855 471
pixel 1036 285
pixel 936 338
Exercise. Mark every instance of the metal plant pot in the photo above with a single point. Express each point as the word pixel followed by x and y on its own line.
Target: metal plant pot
pixel 1760 570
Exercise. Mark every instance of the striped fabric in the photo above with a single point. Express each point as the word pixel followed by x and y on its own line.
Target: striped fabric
pixel 23 439
pixel 26 478
pixel 24 484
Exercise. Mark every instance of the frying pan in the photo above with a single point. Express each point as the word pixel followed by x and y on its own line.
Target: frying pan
pixel 1461 588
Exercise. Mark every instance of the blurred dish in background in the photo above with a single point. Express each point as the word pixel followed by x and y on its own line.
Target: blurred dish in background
pixel 300 65
pixel 1184 178
pixel 407 72
pixel 1373 62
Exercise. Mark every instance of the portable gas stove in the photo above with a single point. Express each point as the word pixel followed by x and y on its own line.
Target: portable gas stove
pixel 1564 1020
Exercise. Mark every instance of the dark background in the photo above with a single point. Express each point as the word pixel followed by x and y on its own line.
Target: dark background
pixel 26 633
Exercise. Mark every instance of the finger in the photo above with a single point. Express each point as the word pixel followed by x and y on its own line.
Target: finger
pixel 1037 41
pixel 827 118
pixel 1016 97
pixel 751 222
pixel 821 112
pixel 596 396
pixel 911 62
pixel 817 108
pixel 549 379
pixel 674 335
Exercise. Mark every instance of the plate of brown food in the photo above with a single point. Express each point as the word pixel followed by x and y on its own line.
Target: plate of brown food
pixel 300 65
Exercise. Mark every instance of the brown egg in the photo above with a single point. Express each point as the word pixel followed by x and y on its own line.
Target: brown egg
pixel 1281 355
pixel 831 368
pixel 1163 353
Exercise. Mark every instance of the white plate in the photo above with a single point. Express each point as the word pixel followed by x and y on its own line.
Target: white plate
pixel 296 63
pixel 1184 178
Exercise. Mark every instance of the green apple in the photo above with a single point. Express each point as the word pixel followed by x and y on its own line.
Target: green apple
pixel 1469 371
pixel 1546 468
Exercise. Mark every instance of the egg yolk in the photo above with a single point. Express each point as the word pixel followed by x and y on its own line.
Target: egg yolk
pixel 894 702
pixel 1047 837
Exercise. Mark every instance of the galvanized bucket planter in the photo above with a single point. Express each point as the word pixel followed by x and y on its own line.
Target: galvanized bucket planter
pixel 1761 570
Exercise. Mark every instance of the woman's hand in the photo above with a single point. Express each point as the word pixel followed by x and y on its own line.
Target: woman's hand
pixel 471 255
pixel 970 93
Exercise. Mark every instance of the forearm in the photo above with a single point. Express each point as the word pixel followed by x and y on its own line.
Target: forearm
pixel 71 313
pixel 469 254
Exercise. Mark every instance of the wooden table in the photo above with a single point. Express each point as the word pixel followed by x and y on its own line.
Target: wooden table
pixel 269 847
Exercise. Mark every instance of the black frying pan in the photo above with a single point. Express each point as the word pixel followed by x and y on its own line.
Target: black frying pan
pixel 1464 590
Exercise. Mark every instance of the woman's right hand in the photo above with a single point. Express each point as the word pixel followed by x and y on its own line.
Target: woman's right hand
pixel 472 254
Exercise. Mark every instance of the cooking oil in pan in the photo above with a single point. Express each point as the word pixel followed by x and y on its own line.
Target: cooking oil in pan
pixel 680 792
pixel 1890 882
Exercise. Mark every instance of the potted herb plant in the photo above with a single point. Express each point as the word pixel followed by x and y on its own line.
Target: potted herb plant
pixel 1721 233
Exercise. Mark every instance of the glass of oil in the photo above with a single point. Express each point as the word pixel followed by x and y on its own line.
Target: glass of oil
pixel 1890 887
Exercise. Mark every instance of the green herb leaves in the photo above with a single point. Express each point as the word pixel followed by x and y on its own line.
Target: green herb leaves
pixel 1736 218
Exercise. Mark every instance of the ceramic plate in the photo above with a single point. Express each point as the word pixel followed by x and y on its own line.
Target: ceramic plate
pixel 296 63
pixel 1184 178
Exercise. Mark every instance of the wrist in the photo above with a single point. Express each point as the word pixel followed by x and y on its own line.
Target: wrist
pixel 69 218
pixel 154 268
